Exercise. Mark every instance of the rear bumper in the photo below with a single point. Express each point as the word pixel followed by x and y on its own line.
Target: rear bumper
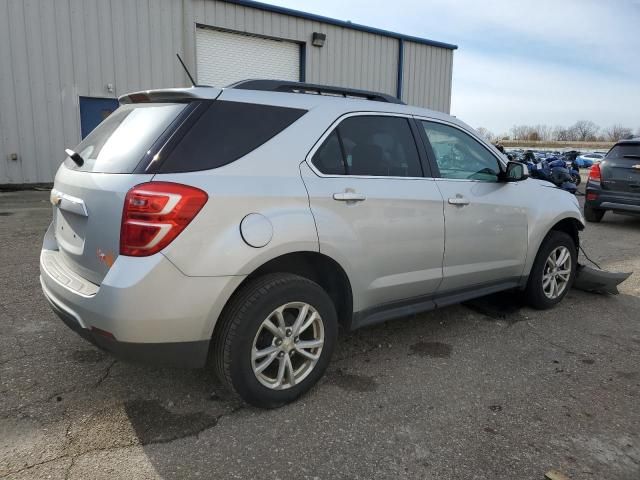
pixel 620 207
pixel 612 200
pixel 144 310
pixel 178 354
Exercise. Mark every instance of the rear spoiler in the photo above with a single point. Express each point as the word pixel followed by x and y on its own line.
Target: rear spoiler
pixel 171 95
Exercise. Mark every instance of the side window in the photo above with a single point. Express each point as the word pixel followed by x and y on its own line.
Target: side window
pixel 378 146
pixel 226 132
pixel 328 158
pixel 459 155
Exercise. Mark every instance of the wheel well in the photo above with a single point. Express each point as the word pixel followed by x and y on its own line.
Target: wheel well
pixel 320 269
pixel 571 227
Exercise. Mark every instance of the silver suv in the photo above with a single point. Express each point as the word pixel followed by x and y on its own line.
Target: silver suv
pixel 248 224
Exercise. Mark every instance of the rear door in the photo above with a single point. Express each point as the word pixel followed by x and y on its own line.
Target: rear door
pixel 485 220
pixel 88 199
pixel 620 169
pixel 375 211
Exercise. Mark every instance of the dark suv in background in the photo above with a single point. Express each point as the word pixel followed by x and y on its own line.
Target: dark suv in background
pixel 614 183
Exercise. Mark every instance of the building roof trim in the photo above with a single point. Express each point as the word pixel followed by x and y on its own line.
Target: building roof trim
pixel 340 23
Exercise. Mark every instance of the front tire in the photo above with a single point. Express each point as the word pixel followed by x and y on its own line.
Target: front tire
pixel 275 339
pixel 593 215
pixel 553 271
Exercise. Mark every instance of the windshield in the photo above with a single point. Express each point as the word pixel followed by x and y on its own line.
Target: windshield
pixel 119 143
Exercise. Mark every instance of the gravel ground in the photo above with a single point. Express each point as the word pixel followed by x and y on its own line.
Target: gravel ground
pixel 467 392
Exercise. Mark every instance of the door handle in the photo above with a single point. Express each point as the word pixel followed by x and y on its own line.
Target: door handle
pixel 349 197
pixel 459 201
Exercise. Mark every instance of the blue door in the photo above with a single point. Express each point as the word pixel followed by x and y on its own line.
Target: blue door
pixel 93 111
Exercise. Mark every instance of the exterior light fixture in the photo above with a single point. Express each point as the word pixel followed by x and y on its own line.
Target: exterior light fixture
pixel 318 39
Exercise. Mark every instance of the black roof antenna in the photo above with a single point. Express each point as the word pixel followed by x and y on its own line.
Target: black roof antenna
pixel 193 82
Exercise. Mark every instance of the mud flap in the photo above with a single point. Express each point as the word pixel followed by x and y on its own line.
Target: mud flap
pixel 598 281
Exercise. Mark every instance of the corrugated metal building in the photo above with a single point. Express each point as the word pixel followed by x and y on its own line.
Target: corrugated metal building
pixel 63 62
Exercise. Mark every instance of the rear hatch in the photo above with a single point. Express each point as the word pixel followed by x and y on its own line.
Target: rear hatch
pixel 620 169
pixel 88 199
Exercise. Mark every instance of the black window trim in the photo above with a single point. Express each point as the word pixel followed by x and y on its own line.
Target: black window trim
pixel 164 145
pixel 432 157
pixel 342 150
pixel 425 165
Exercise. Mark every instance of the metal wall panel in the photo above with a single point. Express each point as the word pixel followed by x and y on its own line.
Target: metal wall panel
pixel 349 58
pixel 10 171
pixel 55 51
pixel 426 79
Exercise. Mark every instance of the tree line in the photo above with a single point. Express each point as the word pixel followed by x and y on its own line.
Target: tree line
pixel 581 131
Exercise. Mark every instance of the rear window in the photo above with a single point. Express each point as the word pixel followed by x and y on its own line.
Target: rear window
pixel 227 131
pixel 121 141
pixel 624 149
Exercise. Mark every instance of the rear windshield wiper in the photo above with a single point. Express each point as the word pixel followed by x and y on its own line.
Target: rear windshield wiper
pixel 74 156
pixel 631 156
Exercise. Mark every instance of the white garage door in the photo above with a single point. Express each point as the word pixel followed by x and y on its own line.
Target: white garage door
pixel 224 58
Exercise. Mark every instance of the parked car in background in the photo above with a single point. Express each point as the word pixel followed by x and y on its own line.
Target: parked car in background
pixel 249 223
pixel 586 160
pixel 614 183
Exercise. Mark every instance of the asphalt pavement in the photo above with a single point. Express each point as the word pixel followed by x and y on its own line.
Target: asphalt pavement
pixel 490 390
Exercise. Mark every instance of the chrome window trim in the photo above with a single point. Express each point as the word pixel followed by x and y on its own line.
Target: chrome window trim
pixel 335 124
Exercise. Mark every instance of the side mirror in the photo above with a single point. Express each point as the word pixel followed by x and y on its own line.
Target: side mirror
pixel 515 172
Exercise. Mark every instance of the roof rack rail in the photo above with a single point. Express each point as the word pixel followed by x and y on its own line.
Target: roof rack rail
pixel 312 88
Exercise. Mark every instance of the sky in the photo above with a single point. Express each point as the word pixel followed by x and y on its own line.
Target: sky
pixel 521 61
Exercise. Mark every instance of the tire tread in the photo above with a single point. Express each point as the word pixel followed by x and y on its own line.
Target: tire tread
pixel 533 292
pixel 593 215
pixel 234 314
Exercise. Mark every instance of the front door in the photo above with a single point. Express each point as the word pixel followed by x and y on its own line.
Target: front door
pixel 375 211
pixel 485 220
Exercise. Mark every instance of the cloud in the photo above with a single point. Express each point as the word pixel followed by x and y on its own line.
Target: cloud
pixel 498 92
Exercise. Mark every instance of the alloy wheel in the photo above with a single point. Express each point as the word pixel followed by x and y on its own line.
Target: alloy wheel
pixel 287 346
pixel 556 272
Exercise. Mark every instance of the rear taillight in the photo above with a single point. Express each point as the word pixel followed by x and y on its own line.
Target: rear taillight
pixel 155 213
pixel 594 172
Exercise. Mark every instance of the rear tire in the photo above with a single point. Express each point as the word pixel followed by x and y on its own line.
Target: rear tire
pixel 553 271
pixel 593 215
pixel 269 320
